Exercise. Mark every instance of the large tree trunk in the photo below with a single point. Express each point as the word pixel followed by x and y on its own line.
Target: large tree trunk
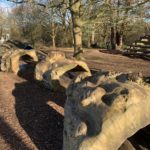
pixel 119 40
pixel 77 23
pixel 65 40
pixel 77 35
pixel 116 39
pixel 113 39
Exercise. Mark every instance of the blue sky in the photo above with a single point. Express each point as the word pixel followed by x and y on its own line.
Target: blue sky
pixel 5 4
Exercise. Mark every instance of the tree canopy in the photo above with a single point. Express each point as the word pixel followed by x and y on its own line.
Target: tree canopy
pixel 110 24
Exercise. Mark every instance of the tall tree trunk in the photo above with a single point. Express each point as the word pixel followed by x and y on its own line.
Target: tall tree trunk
pixel 119 40
pixel 77 23
pixel 77 34
pixel 116 39
pixel 53 35
pixel 93 35
pixel 118 32
pixel 1 31
pixel 89 41
pixel 113 38
pixel 53 42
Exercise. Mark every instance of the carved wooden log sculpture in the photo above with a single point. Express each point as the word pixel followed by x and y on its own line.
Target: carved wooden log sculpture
pixel 102 111
pixel 10 59
pixel 54 71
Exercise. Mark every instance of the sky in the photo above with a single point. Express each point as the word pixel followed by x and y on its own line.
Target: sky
pixel 5 4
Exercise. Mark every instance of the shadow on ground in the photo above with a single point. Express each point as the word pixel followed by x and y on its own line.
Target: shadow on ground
pixel 7 133
pixel 42 123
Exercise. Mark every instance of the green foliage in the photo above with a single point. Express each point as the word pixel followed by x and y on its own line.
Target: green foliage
pixel 43 21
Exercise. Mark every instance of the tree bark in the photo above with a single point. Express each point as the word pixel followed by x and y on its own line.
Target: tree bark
pixel 113 39
pixel 93 35
pixel 77 24
pixel 53 35
pixel 116 39
pixel 53 42
pixel 1 31
pixel 118 33
pixel 119 40
pixel 89 41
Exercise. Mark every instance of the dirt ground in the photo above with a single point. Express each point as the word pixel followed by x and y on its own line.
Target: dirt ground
pixel 102 59
pixel 118 63
pixel 31 117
